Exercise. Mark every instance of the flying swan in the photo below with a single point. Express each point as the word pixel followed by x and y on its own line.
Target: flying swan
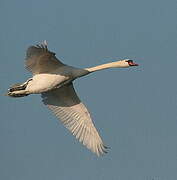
pixel 54 81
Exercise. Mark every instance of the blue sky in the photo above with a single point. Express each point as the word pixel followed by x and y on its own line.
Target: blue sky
pixel 135 110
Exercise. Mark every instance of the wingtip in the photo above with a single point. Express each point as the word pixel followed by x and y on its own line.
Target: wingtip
pixel 102 151
pixel 107 147
pixel 45 42
pixel 43 45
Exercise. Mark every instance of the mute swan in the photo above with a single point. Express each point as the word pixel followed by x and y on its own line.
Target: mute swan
pixel 53 80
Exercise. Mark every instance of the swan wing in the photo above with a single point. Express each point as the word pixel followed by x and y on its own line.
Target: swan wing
pixel 40 60
pixel 67 107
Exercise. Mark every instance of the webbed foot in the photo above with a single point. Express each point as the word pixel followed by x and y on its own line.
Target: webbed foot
pixel 18 90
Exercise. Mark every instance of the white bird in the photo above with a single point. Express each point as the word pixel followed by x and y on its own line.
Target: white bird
pixel 53 80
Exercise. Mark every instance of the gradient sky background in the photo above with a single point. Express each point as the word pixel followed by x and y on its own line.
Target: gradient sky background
pixel 134 109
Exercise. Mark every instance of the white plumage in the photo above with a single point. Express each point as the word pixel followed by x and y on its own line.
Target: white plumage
pixel 53 80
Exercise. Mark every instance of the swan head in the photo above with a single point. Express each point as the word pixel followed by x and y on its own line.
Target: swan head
pixel 124 63
pixel 130 62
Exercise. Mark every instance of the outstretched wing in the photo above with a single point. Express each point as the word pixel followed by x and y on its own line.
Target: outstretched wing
pixel 66 105
pixel 40 60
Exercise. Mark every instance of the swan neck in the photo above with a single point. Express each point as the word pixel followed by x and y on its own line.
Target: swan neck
pixel 117 64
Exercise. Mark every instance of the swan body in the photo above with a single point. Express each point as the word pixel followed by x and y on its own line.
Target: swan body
pixel 53 80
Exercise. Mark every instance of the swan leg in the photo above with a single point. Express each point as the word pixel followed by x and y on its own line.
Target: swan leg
pixel 18 90
pixel 18 86
pixel 19 93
